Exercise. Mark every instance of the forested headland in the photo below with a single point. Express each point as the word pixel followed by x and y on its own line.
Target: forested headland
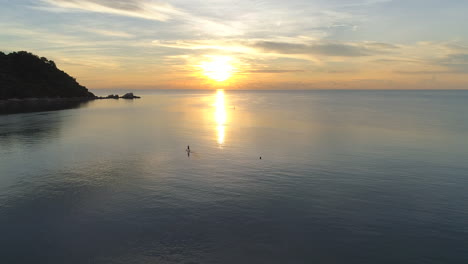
pixel 25 75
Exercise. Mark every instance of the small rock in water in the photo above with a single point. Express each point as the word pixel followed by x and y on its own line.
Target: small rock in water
pixel 113 96
pixel 129 96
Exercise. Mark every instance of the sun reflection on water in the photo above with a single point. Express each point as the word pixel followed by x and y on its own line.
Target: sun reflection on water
pixel 220 115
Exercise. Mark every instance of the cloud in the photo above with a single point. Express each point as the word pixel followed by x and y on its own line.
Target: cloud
pixel 428 58
pixel 397 61
pixel 273 71
pixel 423 72
pixel 449 64
pixel 381 46
pixel 325 49
pixel 108 33
pixel 149 10
pixel 457 63
pixel 456 47
pixel 219 45
pixel 131 8
pixel 299 48
pixel 365 3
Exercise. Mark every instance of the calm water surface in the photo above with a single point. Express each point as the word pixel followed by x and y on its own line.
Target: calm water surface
pixel 345 177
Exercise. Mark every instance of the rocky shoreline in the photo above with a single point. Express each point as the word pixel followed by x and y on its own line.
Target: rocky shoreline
pixel 116 96
pixel 26 105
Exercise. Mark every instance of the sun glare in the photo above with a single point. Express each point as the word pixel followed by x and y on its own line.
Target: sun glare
pixel 220 115
pixel 218 68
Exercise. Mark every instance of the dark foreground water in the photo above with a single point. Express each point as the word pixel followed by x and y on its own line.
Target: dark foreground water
pixel 345 177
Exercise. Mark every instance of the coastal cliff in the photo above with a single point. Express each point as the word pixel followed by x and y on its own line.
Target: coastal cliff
pixel 25 75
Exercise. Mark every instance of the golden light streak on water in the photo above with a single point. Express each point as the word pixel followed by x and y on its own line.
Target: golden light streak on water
pixel 220 116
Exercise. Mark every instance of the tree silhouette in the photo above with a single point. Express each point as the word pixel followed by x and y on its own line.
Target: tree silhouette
pixel 25 75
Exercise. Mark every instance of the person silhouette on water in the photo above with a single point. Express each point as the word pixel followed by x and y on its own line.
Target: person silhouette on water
pixel 188 150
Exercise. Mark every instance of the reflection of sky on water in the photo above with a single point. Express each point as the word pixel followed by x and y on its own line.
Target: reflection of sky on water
pixel 339 170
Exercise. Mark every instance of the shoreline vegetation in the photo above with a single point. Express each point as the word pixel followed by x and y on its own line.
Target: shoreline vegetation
pixel 29 83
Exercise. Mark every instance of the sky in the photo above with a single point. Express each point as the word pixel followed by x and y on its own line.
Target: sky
pixel 246 44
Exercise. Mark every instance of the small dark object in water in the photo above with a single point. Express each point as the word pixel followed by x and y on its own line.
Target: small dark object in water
pixel 129 96
pixel 260 157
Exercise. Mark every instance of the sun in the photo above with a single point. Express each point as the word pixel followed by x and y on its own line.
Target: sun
pixel 218 68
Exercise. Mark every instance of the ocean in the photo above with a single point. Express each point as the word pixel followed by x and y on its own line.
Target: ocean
pixel 271 177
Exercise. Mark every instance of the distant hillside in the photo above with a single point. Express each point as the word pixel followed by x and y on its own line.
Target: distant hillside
pixel 25 75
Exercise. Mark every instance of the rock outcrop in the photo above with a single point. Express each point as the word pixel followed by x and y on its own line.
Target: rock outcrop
pixel 112 96
pixel 129 96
